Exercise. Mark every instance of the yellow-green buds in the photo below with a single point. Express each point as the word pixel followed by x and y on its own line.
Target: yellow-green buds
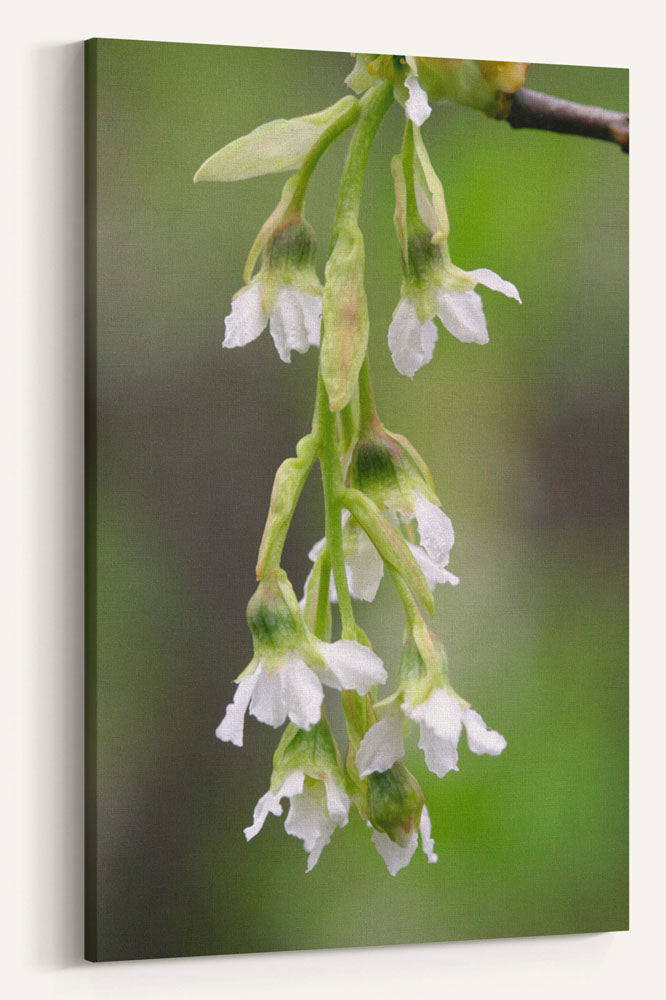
pixel 476 83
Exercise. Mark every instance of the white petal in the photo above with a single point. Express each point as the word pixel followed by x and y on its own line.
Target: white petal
pixel 427 843
pixel 267 703
pixel 364 567
pixel 441 754
pixel 337 802
pixel 462 315
pixel 246 320
pixel 381 746
pixel 308 819
pixel 312 311
pixel 433 573
pixel 231 727
pixel 484 276
pixel 416 105
pixel 440 711
pixel 480 738
pixel 268 803
pixel 302 692
pixel 351 666
pixel 410 341
pixel 295 322
pixel 395 856
pixel 435 530
pixel 316 550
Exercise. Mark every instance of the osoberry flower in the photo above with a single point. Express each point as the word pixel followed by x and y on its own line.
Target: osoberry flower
pixel 307 771
pixel 389 470
pixel 426 698
pixel 286 294
pixel 432 284
pixel 285 676
pixel 412 333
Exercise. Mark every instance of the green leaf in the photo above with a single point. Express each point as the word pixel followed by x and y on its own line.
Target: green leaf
pixel 279 145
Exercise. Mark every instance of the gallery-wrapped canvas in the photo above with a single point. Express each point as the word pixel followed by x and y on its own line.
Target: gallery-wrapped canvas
pixel 356 450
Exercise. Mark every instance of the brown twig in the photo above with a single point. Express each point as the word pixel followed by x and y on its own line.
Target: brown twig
pixel 531 109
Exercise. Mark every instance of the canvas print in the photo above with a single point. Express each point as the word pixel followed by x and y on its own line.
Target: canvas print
pixel 356 446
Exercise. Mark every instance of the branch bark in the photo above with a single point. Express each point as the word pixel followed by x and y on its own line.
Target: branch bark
pixel 531 109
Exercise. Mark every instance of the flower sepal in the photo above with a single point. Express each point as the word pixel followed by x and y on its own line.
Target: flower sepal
pixel 314 752
pixel 345 311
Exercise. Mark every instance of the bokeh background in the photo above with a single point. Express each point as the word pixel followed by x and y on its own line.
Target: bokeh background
pixel 527 441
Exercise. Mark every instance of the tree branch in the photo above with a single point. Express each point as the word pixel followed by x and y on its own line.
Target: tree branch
pixel 531 109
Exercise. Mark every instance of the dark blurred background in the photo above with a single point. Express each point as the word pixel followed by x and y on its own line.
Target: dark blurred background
pixel 527 441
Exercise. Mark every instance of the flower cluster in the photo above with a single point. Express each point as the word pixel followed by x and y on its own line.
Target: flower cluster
pixel 383 516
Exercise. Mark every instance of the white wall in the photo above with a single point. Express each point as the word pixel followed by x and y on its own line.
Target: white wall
pixel 41 828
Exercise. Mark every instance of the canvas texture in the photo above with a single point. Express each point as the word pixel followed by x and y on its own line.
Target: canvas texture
pixel 500 763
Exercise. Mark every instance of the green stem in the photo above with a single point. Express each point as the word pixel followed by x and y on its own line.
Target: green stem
pixel 368 421
pixel 412 610
pixel 411 208
pixel 326 139
pixel 373 106
pixel 323 602
pixel 331 474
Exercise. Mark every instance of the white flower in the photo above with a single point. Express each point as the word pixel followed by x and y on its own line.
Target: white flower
pixel 412 336
pixel 441 718
pixel 397 856
pixel 295 689
pixel 294 319
pixel 364 567
pixel 316 809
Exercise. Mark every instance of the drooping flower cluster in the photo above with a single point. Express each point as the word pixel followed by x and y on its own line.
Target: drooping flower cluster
pixel 382 512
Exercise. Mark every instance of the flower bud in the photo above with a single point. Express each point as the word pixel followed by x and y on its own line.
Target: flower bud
pixel 474 83
pixel 395 802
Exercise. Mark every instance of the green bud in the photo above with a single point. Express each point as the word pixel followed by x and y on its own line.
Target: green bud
pixel 394 803
pixel 345 310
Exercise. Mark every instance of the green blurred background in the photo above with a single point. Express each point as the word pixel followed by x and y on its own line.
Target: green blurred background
pixel 527 441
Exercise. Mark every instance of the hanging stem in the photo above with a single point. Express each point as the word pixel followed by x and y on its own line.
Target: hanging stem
pixel 373 106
